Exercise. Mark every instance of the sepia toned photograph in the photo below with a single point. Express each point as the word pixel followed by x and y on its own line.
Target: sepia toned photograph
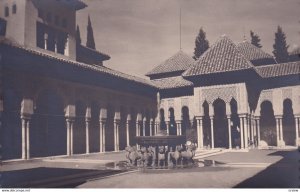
pixel 149 94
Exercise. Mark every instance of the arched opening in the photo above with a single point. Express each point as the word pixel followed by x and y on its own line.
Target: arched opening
pixel 206 125
pixel 132 127
pixel 173 127
pixel 79 133
pixel 220 124
pixel 163 125
pixel 94 131
pixel 122 128
pixel 267 123
pixel 186 124
pixel 48 131
pixel 109 131
pixel 288 123
pixel 11 135
pixel 235 124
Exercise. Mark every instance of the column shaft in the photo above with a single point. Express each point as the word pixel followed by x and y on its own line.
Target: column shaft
pixel 28 139
pixel 229 132
pixel 242 132
pixel 212 132
pixel 71 137
pixel 24 139
pixel 101 135
pixel 297 130
pixel 277 131
pixel 127 133
pixel 246 132
pixel 87 140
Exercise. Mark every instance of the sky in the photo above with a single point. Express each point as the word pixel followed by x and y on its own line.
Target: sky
pixel 141 34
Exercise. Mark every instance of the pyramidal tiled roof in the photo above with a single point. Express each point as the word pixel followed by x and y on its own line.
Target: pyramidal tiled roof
pixel 252 52
pixel 222 56
pixel 171 82
pixel 178 62
pixel 282 69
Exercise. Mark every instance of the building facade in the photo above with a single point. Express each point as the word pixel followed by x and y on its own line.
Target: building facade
pixel 58 98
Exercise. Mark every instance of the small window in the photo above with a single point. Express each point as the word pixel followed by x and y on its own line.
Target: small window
pixel 49 17
pixel 64 23
pixel 6 11
pixel 56 20
pixel 14 9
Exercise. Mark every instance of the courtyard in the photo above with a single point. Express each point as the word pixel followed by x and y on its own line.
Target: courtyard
pixel 228 169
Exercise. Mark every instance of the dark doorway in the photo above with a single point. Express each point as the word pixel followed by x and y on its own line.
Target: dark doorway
pixel 48 132
pixel 268 123
pixel 109 131
pixel 163 125
pixel 79 133
pixel 288 123
pixel 186 123
pixel 94 132
pixel 11 132
pixel 122 128
pixel 206 125
pixel 220 124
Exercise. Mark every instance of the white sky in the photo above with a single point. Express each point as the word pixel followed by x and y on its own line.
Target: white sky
pixel 140 34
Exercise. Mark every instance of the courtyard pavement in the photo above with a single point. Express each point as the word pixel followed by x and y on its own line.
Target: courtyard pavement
pixel 253 169
pixel 256 168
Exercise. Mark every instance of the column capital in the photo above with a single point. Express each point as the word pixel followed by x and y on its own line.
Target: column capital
pixel 25 116
pixel 70 119
pixel 88 119
pixel 198 117
pixel 257 117
pixel 178 121
pixel 297 115
pixel 102 120
pixel 243 115
pixel 278 116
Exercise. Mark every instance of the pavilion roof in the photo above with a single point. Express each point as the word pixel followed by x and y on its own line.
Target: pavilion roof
pixel 252 52
pixel 223 56
pixel 172 82
pixel 281 69
pixel 178 62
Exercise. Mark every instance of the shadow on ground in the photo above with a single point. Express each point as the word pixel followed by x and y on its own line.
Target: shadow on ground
pixel 282 174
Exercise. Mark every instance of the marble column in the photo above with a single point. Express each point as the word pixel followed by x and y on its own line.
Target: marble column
pixel 87 138
pixel 168 127
pixel 229 131
pixel 102 135
pixel 246 129
pixel 178 125
pixel 200 131
pixel 25 136
pixel 242 131
pixel 116 135
pixel 212 132
pixel 257 123
pixel 127 132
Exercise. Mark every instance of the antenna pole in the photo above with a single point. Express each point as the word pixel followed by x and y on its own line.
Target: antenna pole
pixel 180 28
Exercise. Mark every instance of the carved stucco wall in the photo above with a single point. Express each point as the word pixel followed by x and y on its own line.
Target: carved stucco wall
pixel 224 92
pixel 277 96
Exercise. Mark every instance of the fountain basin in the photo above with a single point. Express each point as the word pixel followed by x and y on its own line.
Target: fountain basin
pixel 161 140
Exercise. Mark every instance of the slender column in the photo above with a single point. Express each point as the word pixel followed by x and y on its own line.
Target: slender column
pixel 101 135
pixel 71 137
pixel 257 129
pixel 277 131
pixel 68 137
pixel 200 132
pixel 24 156
pixel 297 129
pixel 229 131
pixel 246 129
pixel 242 132
pixel 252 128
pixel 28 139
pixel 87 139
pixel 116 135
pixel 212 132
pixel 168 127
pixel 127 132
pixel 178 125
pixel 280 129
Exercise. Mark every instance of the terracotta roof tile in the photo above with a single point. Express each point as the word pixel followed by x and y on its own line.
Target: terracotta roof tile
pixel 66 60
pixel 172 82
pixel 281 69
pixel 252 52
pixel 223 56
pixel 178 62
